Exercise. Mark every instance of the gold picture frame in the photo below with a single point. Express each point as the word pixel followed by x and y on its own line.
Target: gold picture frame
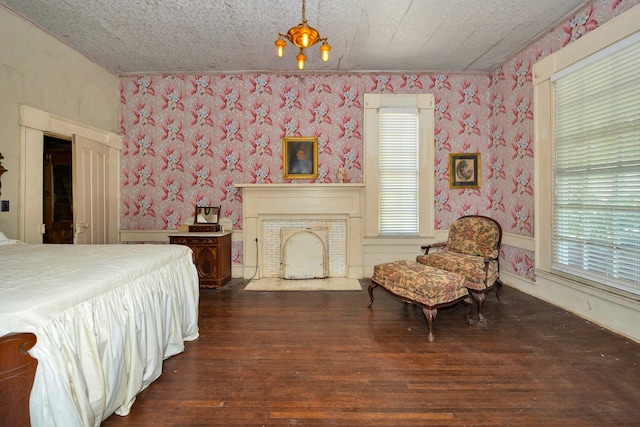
pixel 464 170
pixel 300 157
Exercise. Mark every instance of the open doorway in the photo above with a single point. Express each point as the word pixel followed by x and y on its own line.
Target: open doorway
pixel 57 194
pixel 95 186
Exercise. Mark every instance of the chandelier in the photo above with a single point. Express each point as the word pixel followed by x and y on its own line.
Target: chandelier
pixel 303 36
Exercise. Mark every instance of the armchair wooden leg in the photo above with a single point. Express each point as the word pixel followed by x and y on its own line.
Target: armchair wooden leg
pixel 498 289
pixel 479 297
pixel 467 300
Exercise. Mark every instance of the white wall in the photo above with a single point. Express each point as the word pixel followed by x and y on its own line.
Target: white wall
pixel 39 71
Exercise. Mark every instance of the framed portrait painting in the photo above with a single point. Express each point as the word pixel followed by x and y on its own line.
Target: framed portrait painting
pixel 300 157
pixel 464 170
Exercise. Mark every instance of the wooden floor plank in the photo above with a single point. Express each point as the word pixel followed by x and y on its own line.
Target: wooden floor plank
pixel 325 359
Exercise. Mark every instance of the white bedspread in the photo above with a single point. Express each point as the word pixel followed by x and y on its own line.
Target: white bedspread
pixel 105 317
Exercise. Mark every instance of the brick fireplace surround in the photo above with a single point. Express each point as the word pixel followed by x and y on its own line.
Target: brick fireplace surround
pixel 266 207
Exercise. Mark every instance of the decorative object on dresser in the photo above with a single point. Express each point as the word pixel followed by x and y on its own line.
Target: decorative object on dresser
pixel 206 219
pixel 211 255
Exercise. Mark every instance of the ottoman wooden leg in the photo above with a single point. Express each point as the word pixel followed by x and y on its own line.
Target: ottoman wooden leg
pixel 430 314
pixel 370 290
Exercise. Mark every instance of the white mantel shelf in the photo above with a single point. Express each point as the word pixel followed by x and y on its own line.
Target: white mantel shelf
pixel 302 201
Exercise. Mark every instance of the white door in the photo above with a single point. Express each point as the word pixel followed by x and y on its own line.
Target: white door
pixel 90 191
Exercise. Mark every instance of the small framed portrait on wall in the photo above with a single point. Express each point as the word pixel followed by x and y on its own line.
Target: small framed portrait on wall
pixel 464 170
pixel 300 157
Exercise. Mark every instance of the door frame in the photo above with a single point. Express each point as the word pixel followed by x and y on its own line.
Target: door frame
pixel 34 124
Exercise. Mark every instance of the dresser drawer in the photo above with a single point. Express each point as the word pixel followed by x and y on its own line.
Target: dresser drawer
pixel 211 256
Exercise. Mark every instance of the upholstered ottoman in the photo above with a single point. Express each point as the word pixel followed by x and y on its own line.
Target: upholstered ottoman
pixel 420 284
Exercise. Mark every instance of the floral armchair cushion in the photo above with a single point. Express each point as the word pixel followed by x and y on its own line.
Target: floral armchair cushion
pixel 475 235
pixel 471 267
pixel 471 250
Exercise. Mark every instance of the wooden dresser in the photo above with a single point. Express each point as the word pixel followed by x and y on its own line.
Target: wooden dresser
pixel 211 255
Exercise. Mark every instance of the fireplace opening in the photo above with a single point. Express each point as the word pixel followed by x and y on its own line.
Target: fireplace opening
pixel 304 253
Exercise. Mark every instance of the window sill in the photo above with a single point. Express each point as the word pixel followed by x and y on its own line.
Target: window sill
pixel 609 293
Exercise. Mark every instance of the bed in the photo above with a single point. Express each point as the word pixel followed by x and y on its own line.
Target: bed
pixel 104 318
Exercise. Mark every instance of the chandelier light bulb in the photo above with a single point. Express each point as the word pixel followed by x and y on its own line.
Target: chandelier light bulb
pixel 301 58
pixel 325 48
pixel 280 44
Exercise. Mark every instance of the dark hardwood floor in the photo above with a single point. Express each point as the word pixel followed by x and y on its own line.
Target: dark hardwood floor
pixel 325 359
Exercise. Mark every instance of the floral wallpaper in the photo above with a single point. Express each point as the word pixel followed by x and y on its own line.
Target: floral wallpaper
pixel 189 138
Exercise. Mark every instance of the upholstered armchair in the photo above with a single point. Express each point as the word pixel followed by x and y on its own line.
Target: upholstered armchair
pixel 471 250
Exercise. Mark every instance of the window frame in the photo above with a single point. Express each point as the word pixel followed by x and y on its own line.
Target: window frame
pixel 595 41
pixel 424 103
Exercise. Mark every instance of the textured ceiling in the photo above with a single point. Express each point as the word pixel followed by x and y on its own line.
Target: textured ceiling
pixel 212 36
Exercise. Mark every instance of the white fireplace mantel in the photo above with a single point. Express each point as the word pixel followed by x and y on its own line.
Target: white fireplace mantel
pixel 302 201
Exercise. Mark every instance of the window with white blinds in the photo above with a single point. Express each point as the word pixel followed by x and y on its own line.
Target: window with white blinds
pixel 398 171
pixel 596 200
